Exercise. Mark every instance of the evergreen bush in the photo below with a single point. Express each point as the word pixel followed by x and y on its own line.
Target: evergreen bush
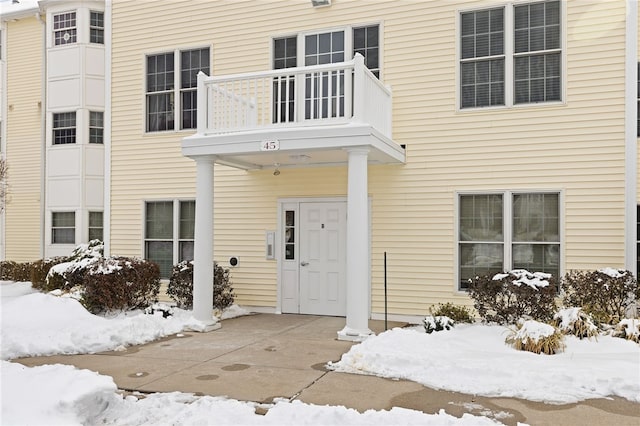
pixel 449 310
pixel 606 294
pixel 437 323
pixel 180 287
pixel 506 298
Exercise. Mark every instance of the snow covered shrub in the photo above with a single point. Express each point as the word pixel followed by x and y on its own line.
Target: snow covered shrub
pixel 576 322
pixel 605 294
pixel 93 249
pixel 536 337
pixel 119 283
pixel 159 309
pixel 628 328
pixel 180 286
pixel 456 313
pixel 78 264
pixel 40 270
pixel 14 271
pixel 437 323
pixel 506 298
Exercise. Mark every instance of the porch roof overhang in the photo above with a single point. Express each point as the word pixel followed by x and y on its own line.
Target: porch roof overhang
pixel 304 146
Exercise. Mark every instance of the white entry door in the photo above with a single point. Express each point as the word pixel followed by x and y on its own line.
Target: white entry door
pixel 314 258
pixel 322 258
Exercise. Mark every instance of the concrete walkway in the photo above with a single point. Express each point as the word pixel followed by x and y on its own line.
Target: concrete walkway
pixel 262 356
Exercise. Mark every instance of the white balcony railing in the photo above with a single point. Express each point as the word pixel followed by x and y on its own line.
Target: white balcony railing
pixel 345 92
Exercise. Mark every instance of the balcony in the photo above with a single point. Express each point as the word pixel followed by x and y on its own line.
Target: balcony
pixel 294 117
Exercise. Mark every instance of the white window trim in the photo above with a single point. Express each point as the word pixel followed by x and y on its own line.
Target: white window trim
pixel 177 99
pixel 175 225
pixel 509 58
pixel 507 215
pixel 348 42
pixel 89 227
pixel 75 227
pixel 51 132
pixel 93 27
pixel 89 127
pixel 53 30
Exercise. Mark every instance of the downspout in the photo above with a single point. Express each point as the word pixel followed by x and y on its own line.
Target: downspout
pixel 3 134
pixel 106 215
pixel 43 133
pixel 631 137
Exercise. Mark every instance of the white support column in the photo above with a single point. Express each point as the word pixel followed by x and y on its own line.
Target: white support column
pixel 357 327
pixel 203 245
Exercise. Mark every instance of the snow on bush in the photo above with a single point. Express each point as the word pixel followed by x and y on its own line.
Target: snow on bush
pixel 437 323
pixel 536 337
pixel 608 294
pixel 506 298
pixel 576 322
pixel 628 328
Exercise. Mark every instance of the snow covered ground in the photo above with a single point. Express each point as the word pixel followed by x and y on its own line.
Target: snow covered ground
pixel 469 358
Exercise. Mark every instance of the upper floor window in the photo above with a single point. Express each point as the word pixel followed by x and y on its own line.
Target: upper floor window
pixel 96 127
pixel 64 128
pixel 64 28
pixel 96 27
pixel 329 47
pixel 162 93
pixel 366 41
pixel 324 92
pixel 510 58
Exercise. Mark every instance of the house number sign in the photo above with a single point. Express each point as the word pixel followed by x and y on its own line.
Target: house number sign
pixel 270 145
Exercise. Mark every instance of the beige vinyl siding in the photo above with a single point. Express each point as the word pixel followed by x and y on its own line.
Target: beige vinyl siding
pixel 24 140
pixel 575 147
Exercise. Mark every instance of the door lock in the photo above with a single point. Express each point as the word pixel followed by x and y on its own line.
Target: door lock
pixel 304 263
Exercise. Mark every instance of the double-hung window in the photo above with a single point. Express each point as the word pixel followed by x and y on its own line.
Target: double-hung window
pixel 511 55
pixel 64 28
pixel 96 226
pixel 63 227
pixel 64 128
pixel 163 89
pixel 96 27
pixel 169 233
pixel 510 230
pixel 96 127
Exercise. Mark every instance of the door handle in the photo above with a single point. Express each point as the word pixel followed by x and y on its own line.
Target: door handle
pixel 304 263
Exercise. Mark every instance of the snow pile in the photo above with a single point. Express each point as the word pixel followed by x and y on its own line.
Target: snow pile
pixel 474 359
pixel 185 409
pixel 64 395
pixel 52 394
pixel 56 325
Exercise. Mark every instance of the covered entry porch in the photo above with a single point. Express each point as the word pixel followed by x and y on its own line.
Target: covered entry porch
pixel 261 121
